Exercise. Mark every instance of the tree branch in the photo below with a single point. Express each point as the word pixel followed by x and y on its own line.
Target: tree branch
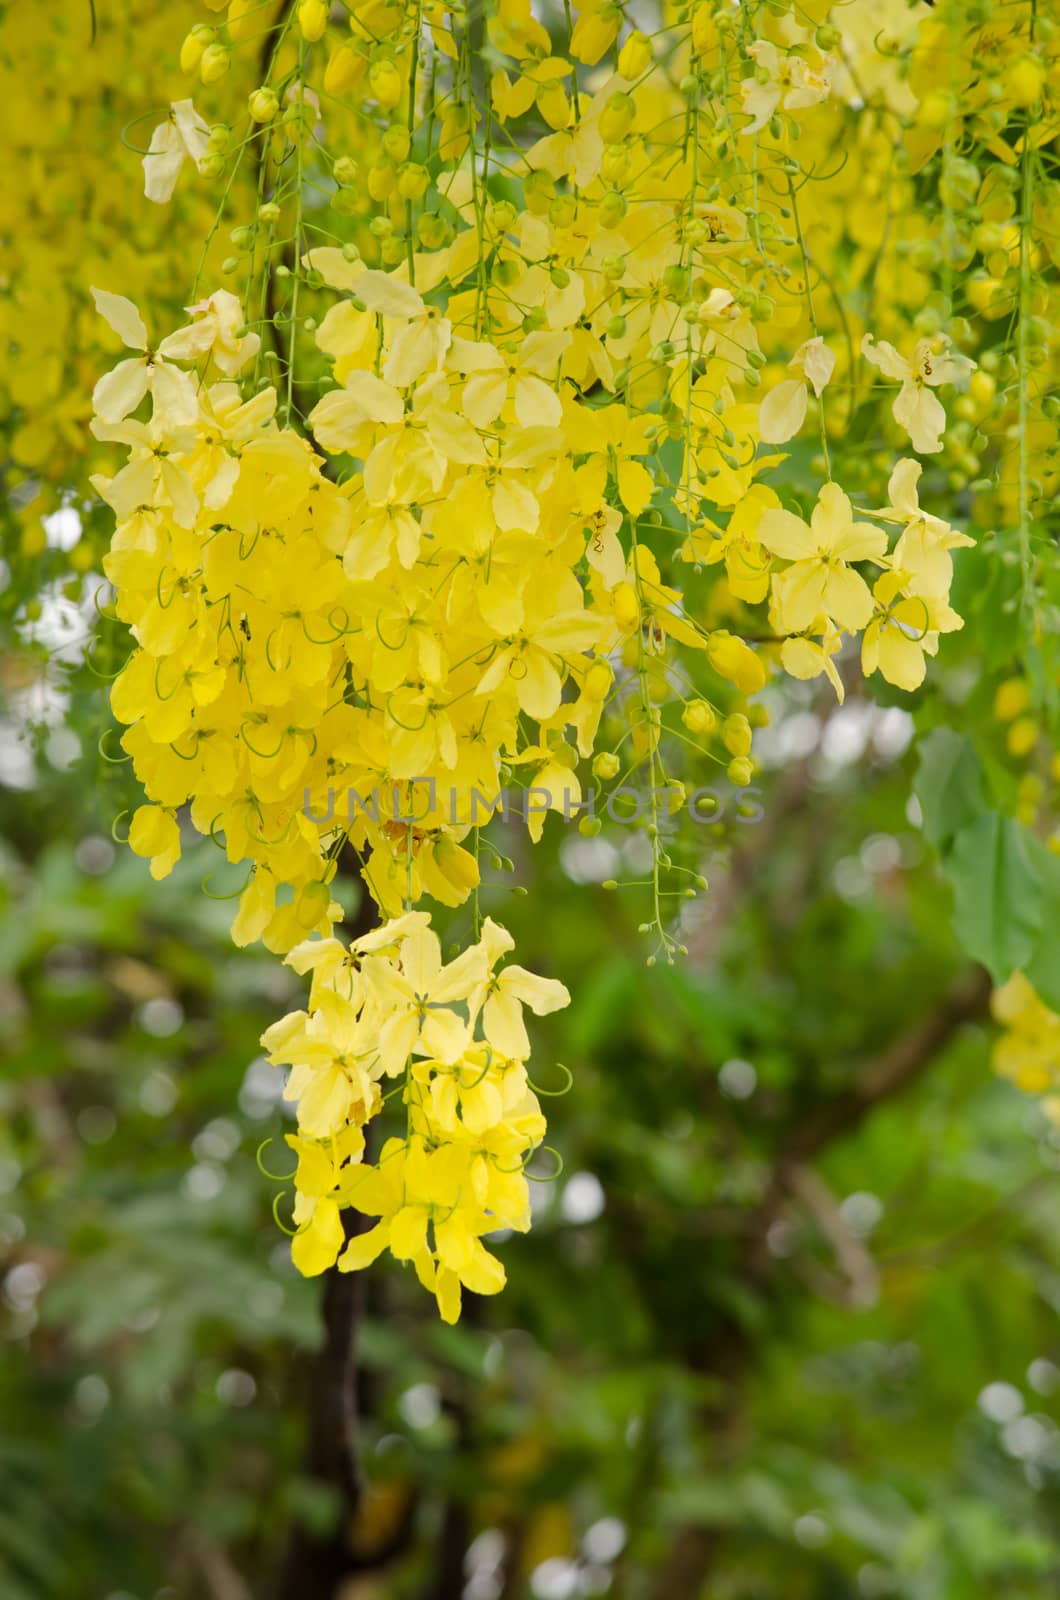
pixel 694 1547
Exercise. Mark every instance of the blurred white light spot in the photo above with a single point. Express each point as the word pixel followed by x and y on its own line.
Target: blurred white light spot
pixel 161 1017
pixel 62 749
pixel 1001 1402
pixel 1027 1438
pixel 23 1284
pixel 874 1581
pixel 893 732
pixel 881 853
pixel 846 734
pixel 605 1540
pixel 483 1566
pixel 421 1405
pixel 218 1141
pixel 789 739
pixel 12 1230
pixel 583 1198
pixel 737 1079
pixel 261 1088
pixel 780 1240
pixel 588 860
pixel 17 767
pixel 94 855
pixel 62 529
pixel 861 1212
pixel 555 1579
pixel 811 1531
pixel 914 812
pixel 158 1093
pixel 205 1181
pixel 235 1387
pixel 96 1124
pixel 91 1395
pixel 1043 1376
pixel 851 880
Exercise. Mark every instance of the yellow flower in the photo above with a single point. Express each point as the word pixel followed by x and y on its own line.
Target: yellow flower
pixel 916 408
pixel 183 136
pixel 121 390
pixel 905 627
pixel 154 833
pixel 819 580
pixel 786 81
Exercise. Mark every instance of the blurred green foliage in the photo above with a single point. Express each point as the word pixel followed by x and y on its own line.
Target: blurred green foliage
pixel 785 1328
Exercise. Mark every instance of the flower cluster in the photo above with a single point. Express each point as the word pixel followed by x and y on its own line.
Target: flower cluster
pixel 493 460
pixel 453 1035
pixel 1028 1051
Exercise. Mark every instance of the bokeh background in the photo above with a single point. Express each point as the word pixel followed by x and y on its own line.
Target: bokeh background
pixel 786 1325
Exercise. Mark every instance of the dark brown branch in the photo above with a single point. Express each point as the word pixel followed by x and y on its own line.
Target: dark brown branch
pixel 903 1061
pixel 728 1355
pixel 316 1563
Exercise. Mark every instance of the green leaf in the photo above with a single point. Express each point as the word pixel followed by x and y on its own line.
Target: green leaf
pixel 998 891
pixel 1043 967
pixel 949 786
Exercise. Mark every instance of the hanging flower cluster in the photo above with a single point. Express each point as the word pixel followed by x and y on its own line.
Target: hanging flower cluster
pixel 387 1008
pixel 474 475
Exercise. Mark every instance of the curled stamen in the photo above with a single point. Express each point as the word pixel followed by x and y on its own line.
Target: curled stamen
pixel 290 1232
pixel 113 761
pixel 277 1177
pixel 555 1094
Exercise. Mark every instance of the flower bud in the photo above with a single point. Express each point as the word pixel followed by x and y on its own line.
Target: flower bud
pixel 563 211
pixel 736 734
pixel 501 216
pixel 616 118
pixel 243 20
pixel 613 208
pixel 382 181
pixel 345 67
pixel 263 104
pixel 434 232
pixel 1023 81
pixel 606 766
pixel 616 164
pixel 635 56
pixel 312 19
pixel 386 82
pixel 396 143
pixel 412 181
pixel 731 658
pixel 216 60
pixel 699 717
pixel 598 681
pixel 191 51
